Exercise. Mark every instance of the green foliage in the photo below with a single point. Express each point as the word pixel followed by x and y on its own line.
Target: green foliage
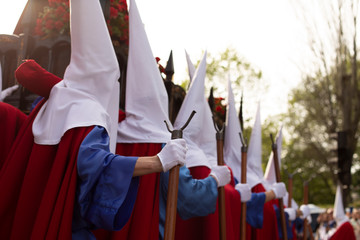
pixel 230 63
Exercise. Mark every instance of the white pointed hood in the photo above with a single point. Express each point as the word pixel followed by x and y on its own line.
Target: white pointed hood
pixel 89 92
pixel 232 142
pixel 254 151
pixel 191 67
pixel 269 175
pixel 200 133
pixel 146 104
pixel 339 213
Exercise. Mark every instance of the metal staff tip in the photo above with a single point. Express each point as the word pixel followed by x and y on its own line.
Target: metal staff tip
pixel 177 133
pixel 242 139
pixel 219 132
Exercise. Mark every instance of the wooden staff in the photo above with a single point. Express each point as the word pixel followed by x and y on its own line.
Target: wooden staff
pixel 278 179
pixel 171 203
pixel 306 201
pixel 290 189
pixel 221 190
pixel 243 180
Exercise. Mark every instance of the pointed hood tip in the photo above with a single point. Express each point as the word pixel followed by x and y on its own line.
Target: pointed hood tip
pixel 339 213
pixel 205 145
pixel 145 113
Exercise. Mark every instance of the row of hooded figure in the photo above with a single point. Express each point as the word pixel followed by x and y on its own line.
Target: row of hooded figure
pixel 77 167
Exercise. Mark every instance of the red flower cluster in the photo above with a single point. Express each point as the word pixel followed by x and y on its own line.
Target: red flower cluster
pixel 161 68
pixel 54 20
pixel 219 107
pixel 118 23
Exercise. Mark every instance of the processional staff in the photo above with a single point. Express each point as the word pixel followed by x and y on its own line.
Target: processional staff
pixel 290 187
pixel 306 201
pixel 221 190
pixel 171 203
pixel 278 179
pixel 243 180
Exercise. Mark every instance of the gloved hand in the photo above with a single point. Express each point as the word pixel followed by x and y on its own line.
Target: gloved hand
pixel 279 189
pixel 245 191
pixel 221 174
pixel 173 154
pixel 305 211
pixel 309 220
pixel 291 212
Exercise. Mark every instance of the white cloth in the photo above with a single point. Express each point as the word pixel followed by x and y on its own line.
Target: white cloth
pixel 244 190
pixel 200 133
pixel 173 153
pixel 305 211
pixel 89 93
pixel 293 203
pixel 254 154
pixel 291 212
pixel 339 213
pixel 232 142
pixel 146 105
pixel 221 174
pixel 269 175
pixel 191 67
pixel 279 189
pixel 7 92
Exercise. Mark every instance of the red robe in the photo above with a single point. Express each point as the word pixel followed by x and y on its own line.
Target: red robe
pixel 11 119
pixel 39 175
pixel 207 227
pixel 270 229
pixel 345 231
pixel 144 221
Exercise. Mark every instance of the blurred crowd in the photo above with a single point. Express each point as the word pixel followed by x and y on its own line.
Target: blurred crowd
pixel 326 224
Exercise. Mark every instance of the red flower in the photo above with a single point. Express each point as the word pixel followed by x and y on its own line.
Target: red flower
pixel 113 12
pixel 60 11
pixel 157 59
pixel 66 17
pixel 49 24
pixel 59 25
pixel 219 109
pixel 38 21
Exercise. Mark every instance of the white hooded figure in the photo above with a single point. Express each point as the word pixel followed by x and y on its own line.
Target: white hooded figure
pixel 146 105
pixel 200 133
pixel 255 153
pixel 339 213
pixel 90 81
pixel 191 67
pixel 270 175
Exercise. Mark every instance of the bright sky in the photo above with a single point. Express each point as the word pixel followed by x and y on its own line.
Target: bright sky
pixel 266 33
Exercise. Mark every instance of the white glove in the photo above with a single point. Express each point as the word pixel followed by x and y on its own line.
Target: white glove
pixel 173 154
pixel 221 174
pixel 291 212
pixel 305 211
pixel 244 190
pixel 279 189
pixel 309 220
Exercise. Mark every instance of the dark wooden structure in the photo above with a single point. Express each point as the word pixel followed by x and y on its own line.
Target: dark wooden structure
pixel 53 54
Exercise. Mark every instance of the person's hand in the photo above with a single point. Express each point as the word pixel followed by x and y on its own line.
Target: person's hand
pixel 173 154
pixel 305 211
pixel 279 189
pixel 291 212
pixel 221 174
pixel 244 190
